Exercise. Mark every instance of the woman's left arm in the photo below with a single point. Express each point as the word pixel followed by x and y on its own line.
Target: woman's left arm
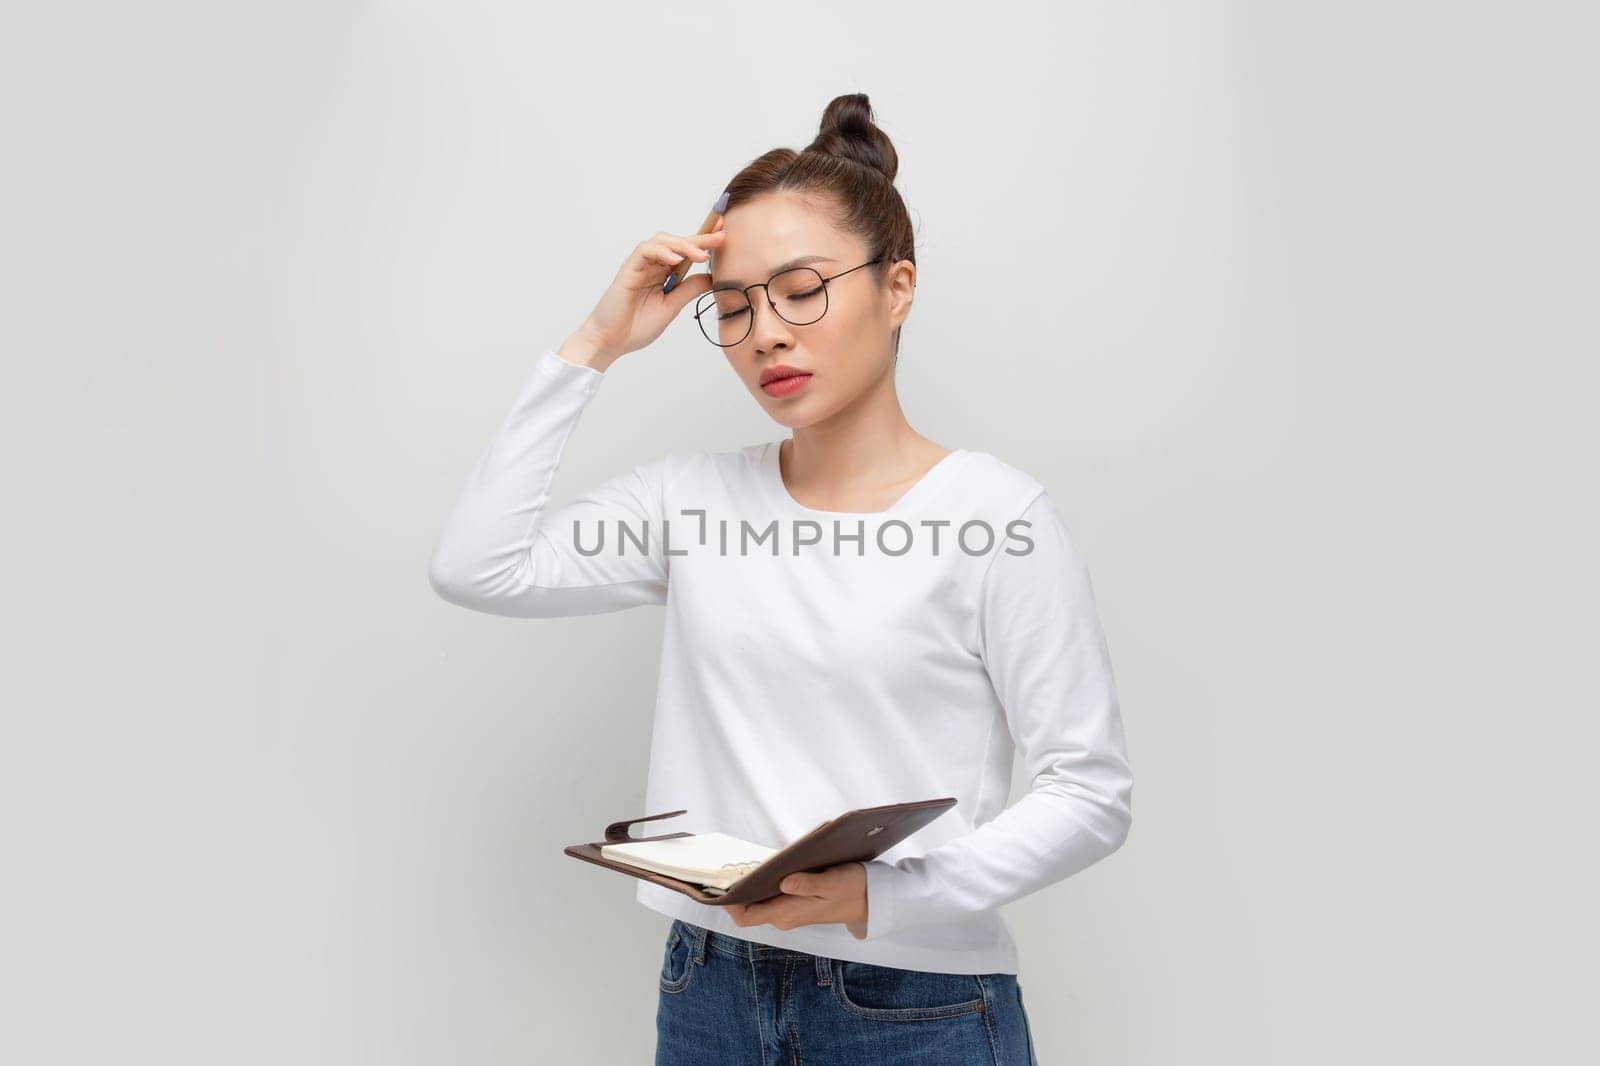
pixel 1040 637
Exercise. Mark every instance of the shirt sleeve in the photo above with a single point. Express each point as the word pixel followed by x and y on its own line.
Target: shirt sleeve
pixel 1041 642
pixel 503 552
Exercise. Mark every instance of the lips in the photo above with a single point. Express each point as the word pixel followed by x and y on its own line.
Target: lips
pixel 779 372
pixel 780 384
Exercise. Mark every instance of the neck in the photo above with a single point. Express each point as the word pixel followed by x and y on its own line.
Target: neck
pixel 866 446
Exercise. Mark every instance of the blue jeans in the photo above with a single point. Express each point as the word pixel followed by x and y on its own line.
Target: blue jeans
pixel 726 1001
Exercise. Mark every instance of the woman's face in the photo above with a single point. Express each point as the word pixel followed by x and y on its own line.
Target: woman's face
pixel 847 350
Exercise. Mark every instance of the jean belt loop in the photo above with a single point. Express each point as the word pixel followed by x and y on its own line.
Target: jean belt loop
pixel 824 971
pixel 700 935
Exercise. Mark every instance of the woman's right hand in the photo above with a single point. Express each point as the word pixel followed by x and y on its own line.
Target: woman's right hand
pixel 633 312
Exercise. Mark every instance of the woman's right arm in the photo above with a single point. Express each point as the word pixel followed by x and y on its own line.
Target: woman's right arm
pixel 501 550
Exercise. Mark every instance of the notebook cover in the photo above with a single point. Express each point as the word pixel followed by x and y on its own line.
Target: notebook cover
pixel 854 836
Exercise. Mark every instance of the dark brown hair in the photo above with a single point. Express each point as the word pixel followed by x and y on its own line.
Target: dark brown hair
pixel 848 169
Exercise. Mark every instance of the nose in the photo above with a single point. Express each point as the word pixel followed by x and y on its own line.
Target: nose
pixel 767 327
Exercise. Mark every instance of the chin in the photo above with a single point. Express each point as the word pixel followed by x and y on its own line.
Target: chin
pixel 789 416
pixel 788 419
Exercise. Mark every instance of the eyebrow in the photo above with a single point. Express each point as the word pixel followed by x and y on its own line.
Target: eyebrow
pixel 802 260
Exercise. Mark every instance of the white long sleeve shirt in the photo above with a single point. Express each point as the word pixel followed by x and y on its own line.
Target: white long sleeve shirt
pixel 817 661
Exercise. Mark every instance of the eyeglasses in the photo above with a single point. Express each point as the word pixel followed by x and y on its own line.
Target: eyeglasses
pixel 798 295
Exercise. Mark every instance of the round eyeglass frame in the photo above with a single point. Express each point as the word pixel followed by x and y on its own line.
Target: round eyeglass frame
pixel 701 307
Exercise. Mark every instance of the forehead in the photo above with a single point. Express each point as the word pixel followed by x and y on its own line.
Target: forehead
pixel 770 231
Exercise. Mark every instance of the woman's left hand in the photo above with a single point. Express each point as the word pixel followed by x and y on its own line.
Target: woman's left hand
pixel 836 894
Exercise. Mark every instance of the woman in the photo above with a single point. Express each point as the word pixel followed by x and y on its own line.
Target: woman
pixel 857 616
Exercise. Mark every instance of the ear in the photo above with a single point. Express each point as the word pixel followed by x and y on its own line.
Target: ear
pixel 901 285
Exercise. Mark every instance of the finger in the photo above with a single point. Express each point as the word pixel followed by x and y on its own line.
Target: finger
pixel 748 913
pixel 795 911
pixel 773 909
pixel 682 246
pixel 691 288
pixel 685 243
pixel 765 912
pixel 653 252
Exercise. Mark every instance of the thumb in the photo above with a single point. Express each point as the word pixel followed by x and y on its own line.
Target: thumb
pixel 798 884
pixel 686 291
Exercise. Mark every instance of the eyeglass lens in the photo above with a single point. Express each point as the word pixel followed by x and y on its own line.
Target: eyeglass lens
pixel 798 295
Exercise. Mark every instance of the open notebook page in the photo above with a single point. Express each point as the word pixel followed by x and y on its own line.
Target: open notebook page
pixel 715 860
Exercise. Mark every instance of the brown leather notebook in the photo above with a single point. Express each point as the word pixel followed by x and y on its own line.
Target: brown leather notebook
pixel 854 836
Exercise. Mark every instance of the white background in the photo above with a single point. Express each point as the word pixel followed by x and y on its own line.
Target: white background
pixel 1290 306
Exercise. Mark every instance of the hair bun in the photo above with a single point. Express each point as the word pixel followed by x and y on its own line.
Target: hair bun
pixel 848 132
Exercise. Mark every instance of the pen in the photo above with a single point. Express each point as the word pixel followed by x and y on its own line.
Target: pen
pixel 707 226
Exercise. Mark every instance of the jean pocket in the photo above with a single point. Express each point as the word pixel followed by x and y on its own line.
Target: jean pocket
pixel 890 994
pixel 676 968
